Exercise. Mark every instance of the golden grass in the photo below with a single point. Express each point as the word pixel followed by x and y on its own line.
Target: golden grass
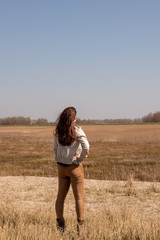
pixel 116 151
pixel 114 210
pixel 109 133
pixel 113 224
pixel 124 133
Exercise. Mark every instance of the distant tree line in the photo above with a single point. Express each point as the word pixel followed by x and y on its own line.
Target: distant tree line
pixel 23 121
pixel 84 121
pixel 108 121
pixel 152 117
pixel 123 121
pixel 149 118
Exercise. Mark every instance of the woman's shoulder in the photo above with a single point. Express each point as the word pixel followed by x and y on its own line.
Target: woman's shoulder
pixel 77 127
pixel 79 131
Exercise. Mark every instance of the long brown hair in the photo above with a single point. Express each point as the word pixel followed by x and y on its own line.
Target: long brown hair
pixel 65 129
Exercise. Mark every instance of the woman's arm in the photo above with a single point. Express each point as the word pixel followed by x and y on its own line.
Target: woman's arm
pixel 82 139
pixel 85 146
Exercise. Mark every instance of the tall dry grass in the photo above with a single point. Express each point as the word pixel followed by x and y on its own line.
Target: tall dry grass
pixel 110 224
pixel 114 210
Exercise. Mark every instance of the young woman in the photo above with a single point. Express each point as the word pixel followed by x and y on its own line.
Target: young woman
pixel 71 148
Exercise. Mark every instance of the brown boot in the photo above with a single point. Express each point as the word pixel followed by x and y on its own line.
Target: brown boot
pixel 61 224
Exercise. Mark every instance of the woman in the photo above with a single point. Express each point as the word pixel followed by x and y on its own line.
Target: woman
pixel 71 148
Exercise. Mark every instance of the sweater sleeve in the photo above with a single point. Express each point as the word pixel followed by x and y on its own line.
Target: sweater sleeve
pixel 82 139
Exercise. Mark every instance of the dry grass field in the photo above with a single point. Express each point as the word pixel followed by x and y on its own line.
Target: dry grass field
pixel 116 152
pixel 122 189
pixel 115 210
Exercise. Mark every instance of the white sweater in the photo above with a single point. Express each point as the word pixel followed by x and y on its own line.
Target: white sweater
pixel 74 153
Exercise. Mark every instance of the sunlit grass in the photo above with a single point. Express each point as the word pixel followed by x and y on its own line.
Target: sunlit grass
pixel 116 151
pixel 114 210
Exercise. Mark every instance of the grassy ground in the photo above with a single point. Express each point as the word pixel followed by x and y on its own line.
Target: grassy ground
pixel 115 153
pixel 114 210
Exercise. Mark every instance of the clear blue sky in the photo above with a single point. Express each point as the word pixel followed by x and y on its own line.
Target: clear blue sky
pixel 101 56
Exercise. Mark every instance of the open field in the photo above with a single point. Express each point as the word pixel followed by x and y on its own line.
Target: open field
pixel 117 151
pixel 114 210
